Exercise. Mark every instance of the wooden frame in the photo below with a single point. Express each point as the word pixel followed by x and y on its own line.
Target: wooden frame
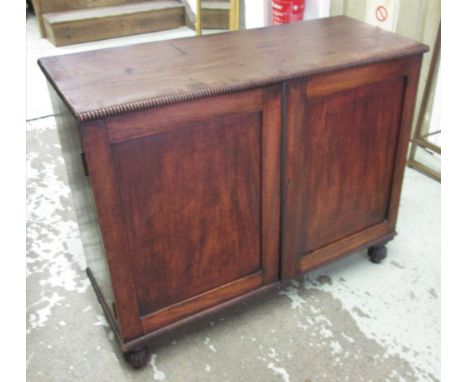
pixel 234 15
pixel 234 9
pixel 419 140
pixel 198 19
pixel 326 85
pixel 101 136
pixel 102 177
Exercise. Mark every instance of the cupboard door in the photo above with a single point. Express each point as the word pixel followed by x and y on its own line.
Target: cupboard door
pixel 346 136
pixel 199 190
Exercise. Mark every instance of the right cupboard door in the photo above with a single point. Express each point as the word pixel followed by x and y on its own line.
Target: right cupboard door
pixel 346 138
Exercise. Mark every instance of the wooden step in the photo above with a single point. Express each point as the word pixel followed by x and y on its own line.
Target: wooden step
pixel 48 6
pixel 91 24
pixel 215 14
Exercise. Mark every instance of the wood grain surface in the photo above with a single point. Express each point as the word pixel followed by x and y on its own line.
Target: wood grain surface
pixel 191 202
pixel 199 196
pixel 346 132
pixel 117 80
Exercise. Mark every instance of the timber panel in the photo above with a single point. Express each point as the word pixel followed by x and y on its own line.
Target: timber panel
pixel 91 24
pixel 191 202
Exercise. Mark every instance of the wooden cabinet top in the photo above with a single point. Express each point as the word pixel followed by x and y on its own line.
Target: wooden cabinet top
pixel 105 82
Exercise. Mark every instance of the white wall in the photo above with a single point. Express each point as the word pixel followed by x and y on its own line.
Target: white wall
pixel 316 9
pixel 255 13
pixel 193 4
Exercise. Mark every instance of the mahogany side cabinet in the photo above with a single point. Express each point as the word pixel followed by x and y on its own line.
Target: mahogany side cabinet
pixel 206 170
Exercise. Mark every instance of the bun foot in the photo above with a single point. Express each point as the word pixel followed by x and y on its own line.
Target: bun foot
pixel 137 358
pixel 377 253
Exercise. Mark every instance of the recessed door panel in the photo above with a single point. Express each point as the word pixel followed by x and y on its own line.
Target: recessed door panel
pixel 191 201
pixel 200 203
pixel 342 139
pixel 350 145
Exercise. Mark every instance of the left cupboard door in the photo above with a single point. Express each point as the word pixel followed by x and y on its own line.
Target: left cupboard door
pixel 188 198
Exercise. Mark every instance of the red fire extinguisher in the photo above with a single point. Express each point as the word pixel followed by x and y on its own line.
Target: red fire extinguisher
pixel 287 11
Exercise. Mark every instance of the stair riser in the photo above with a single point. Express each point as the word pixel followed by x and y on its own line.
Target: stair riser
pixel 116 26
pixel 67 5
pixel 215 19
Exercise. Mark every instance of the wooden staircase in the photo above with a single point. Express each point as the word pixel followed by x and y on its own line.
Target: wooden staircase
pixel 66 22
pixel 215 14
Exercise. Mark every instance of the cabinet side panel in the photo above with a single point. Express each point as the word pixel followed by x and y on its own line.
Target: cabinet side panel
pixel 83 201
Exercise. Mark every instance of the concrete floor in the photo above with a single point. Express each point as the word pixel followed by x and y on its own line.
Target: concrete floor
pixel 349 321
